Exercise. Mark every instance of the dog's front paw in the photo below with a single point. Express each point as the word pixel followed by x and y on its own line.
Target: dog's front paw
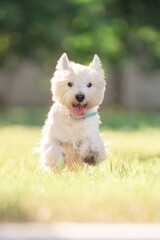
pixel 55 165
pixel 90 160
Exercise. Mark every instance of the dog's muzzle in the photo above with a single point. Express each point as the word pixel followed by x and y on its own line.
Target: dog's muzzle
pixel 80 97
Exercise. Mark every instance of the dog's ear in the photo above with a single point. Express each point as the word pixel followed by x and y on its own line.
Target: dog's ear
pixel 63 63
pixel 96 65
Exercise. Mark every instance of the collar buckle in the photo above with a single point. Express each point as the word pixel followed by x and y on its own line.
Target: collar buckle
pixel 92 114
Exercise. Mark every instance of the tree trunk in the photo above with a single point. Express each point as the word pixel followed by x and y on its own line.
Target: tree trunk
pixel 117 87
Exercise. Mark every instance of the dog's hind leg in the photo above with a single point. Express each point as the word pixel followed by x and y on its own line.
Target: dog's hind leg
pixel 73 159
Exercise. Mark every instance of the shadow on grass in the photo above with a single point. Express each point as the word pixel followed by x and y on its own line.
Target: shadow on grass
pixel 23 116
pixel 129 120
pixel 111 119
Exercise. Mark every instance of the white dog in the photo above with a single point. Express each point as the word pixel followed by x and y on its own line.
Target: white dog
pixel 71 131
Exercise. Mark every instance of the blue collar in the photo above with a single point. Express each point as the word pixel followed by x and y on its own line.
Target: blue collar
pixel 92 114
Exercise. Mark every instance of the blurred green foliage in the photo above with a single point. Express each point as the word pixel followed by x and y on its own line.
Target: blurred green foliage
pixel 115 29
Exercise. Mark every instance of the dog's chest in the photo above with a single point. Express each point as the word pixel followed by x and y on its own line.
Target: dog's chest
pixel 74 131
pixel 78 129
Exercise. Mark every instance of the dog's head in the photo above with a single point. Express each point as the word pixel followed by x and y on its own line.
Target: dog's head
pixel 78 87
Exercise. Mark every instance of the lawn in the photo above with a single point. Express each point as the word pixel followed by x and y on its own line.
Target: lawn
pixel 124 188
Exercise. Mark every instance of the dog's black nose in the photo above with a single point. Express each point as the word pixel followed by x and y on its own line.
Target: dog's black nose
pixel 80 97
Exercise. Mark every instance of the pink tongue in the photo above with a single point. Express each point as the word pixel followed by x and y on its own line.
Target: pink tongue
pixel 78 110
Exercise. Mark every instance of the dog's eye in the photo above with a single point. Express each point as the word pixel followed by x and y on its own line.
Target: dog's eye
pixel 89 85
pixel 70 84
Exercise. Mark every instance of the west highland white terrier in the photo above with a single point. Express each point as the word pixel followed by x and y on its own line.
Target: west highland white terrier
pixel 71 132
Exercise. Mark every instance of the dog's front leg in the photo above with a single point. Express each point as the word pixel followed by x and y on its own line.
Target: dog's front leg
pixel 52 153
pixel 93 151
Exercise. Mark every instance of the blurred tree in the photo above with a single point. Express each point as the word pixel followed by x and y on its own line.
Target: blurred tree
pixel 116 30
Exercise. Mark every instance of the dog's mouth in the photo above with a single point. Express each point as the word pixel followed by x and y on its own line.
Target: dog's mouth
pixel 78 109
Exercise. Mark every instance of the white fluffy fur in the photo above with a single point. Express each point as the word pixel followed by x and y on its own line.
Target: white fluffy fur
pixel 69 140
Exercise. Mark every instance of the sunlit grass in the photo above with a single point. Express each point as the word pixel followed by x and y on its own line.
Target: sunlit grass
pixel 124 188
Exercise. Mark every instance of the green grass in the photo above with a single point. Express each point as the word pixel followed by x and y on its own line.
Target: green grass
pixel 125 188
